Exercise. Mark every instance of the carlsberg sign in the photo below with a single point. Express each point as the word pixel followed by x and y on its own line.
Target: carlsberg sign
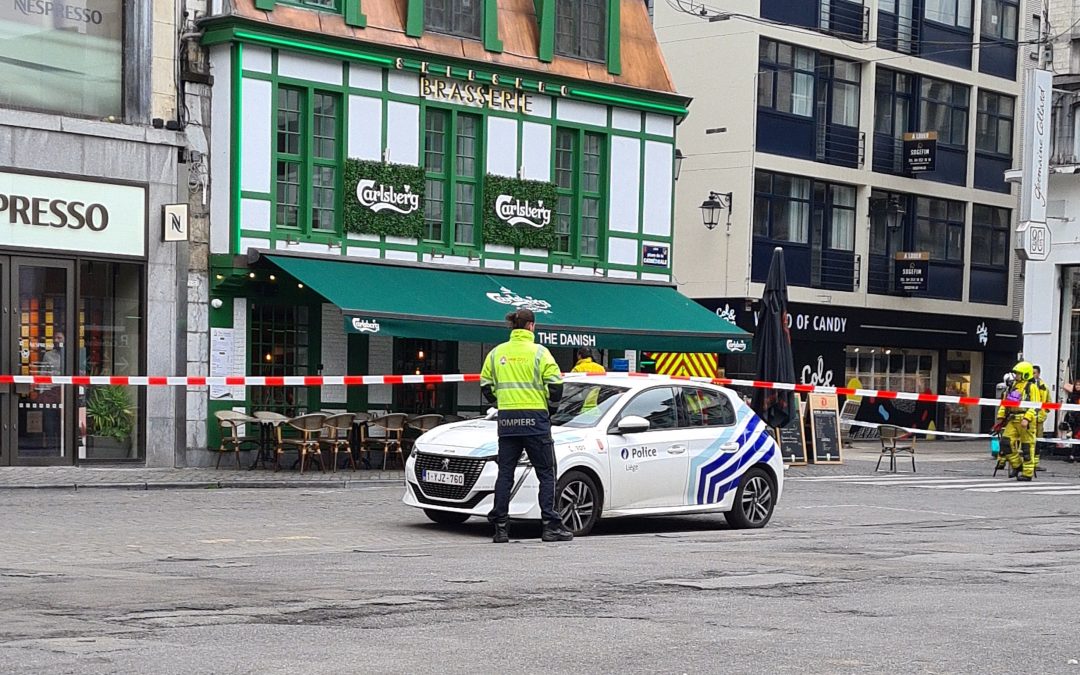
pixel 379 197
pixel 522 212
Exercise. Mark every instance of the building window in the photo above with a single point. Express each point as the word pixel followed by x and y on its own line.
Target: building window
pixel 949 12
pixel 842 223
pixel 994 123
pixel 453 17
pixel 453 172
pixel 786 78
pixel 999 19
pixel 307 159
pixel 781 207
pixel 579 180
pixel 990 236
pixel 581 29
pixel 897 26
pixel 939 229
pixel 332 5
pixel 943 107
pixel 63 57
pixel 279 347
pixel 891 369
pixel 844 87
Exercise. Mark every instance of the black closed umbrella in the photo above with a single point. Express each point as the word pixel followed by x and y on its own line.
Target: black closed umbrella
pixel 773 344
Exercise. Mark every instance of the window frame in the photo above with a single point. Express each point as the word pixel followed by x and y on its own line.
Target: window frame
pixel 952 107
pixel 687 416
pixel 955 21
pixel 278 319
pixel 771 65
pixel 580 47
pixel 315 4
pixel 836 83
pixel 578 194
pixel 998 32
pixel 308 160
pixel 895 94
pixel 771 197
pixel 451 178
pixel 1002 227
pixel 677 418
pixel 997 117
pixel 454 12
pixel 938 227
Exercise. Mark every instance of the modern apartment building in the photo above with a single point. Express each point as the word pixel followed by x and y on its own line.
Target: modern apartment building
pixel 900 278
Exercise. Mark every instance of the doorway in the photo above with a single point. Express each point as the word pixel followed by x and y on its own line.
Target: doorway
pixel 36 420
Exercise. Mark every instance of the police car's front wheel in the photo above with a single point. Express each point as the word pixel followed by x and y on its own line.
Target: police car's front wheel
pixel 446 517
pixel 754 500
pixel 577 500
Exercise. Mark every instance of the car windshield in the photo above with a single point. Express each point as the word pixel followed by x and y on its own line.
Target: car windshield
pixel 583 404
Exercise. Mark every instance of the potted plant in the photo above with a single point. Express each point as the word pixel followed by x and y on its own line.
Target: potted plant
pixel 112 421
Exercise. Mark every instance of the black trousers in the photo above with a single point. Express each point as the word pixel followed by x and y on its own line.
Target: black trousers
pixel 541 452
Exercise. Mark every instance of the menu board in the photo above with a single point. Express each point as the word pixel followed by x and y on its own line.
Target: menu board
pixel 791 437
pixel 824 428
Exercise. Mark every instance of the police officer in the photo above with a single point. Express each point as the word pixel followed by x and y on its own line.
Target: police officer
pixel 523 380
pixel 1018 424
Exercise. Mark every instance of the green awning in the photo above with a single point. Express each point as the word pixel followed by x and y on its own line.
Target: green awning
pixel 469 306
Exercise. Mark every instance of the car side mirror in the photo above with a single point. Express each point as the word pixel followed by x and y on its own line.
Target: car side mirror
pixel 633 424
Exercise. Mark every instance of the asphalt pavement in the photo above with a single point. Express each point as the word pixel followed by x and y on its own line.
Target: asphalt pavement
pixel 945 570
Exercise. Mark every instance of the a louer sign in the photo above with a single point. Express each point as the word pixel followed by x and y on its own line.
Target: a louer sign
pixel 72 215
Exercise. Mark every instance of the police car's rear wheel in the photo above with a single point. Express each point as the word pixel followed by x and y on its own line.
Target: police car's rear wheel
pixel 754 501
pixel 446 517
pixel 578 502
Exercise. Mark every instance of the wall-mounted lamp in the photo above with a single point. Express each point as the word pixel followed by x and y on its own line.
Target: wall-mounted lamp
pixel 216 303
pixel 679 157
pixel 420 354
pixel 887 211
pixel 711 208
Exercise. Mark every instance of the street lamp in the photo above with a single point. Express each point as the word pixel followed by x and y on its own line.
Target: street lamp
pixel 711 207
pixel 679 157
pixel 891 209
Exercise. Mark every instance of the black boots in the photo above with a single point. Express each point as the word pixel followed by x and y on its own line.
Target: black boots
pixel 502 534
pixel 559 533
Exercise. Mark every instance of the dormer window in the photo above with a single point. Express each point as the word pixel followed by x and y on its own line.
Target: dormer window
pixel 460 18
pixel 581 29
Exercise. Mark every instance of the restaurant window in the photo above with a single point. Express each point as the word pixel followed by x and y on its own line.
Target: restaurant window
pixel 990 236
pixel 307 159
pixel 425 357
pixel 956 13
pixel 460 18
pixel 579 181
pixel 110 325
pixel 786 78
pixel 943 107
pixel 999 19
pixel 781 207
pixel 279 347
pixel 63 58
pixel 452 167
pixel 994 123
pixel 939 229
pixel 581 29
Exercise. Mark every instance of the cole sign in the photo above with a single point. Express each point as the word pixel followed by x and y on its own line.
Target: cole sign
pixel 522 212
pixel 72 215
pixel 379 197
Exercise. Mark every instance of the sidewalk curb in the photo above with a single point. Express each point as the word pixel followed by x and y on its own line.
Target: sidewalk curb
pixel 210 485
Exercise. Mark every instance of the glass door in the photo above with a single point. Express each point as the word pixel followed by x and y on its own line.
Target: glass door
pixel 6 390
pixel 38 322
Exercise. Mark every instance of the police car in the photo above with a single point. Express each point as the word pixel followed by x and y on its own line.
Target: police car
pixel 625 445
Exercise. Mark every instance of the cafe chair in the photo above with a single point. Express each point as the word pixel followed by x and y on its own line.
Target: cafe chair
pixel 337 430
pixel 393 427
pixel 268 424
pixel 233 438
pixel 309 426
pixel 893 442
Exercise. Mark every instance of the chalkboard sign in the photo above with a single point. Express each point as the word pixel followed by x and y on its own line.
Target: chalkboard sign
pixel 791 438
pixel 825 428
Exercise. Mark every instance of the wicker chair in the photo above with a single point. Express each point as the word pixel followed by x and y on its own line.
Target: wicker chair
pixel 337 430
pixel 393 426
pixel 232 437
pixel 309 427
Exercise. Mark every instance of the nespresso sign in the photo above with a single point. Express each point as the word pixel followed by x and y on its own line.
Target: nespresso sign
pixel 43 212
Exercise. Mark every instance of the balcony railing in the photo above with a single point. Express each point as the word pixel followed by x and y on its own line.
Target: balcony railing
pixel 845 19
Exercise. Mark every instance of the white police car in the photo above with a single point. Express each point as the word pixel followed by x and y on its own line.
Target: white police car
pixel 625 445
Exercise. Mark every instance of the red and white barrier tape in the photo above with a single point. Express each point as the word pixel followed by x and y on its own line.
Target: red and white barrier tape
pixel 368 380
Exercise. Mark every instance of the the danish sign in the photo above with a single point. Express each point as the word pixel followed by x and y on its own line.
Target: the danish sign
pixel 379 197
pixel 518 212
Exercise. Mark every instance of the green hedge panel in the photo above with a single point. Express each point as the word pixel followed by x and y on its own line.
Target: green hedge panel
pixel 360 219
pixel 537 193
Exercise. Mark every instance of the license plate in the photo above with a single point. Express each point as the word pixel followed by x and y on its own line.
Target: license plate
pixel 444 477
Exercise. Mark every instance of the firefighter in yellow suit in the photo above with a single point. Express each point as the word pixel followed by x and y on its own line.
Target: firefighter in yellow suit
pixel 1018 424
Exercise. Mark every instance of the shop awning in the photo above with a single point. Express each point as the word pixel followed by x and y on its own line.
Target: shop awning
pixel 466 306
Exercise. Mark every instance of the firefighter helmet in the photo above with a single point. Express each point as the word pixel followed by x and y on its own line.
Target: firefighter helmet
pixel 1024 371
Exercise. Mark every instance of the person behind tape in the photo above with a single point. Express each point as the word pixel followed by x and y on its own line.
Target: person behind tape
pixel 1018 424
pixel 523 380
pixel 585 363
pixel 1040 422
